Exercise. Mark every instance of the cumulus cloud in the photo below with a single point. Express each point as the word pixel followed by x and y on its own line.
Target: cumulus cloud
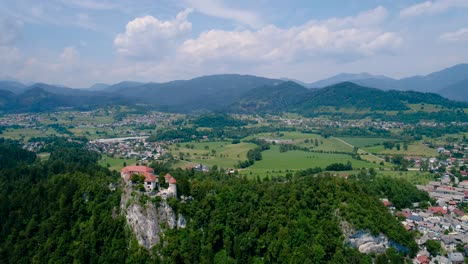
pixel 432 7
pixel 355 36
pixel 152 38
pixel 459 35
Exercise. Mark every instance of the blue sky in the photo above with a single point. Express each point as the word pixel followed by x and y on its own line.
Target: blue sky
pixel 81 42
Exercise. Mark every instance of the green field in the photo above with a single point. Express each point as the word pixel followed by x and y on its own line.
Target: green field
pixel 414 149
pixel 26 133
pixel 298 138
pixel 364 141
pixel 220 153
pixel 274 161
pixel 115 163
pixel 415 177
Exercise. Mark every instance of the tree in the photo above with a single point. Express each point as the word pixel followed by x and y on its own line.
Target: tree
pixel 433 247
pixel 388 144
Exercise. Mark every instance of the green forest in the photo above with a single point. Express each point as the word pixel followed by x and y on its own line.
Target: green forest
pixel 63 211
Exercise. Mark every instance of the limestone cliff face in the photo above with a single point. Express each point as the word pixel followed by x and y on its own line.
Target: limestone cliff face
pixel 148 221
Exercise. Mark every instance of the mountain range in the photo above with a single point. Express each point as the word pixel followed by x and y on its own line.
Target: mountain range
pixel 450 82
pixel 246 93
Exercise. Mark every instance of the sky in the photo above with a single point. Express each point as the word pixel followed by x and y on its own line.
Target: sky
pixel 77 43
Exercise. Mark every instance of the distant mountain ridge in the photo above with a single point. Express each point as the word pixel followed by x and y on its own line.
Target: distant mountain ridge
pixel 226 92
pixel 440 82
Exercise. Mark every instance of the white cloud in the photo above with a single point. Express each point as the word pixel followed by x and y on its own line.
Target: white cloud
pixel 69 55
pixel 216 8
pixel 350 36
pixel 432 7
pixel 459 35
pixel 149 37
pixel 373 17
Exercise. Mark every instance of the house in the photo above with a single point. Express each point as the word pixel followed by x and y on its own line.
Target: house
pixel 202 168
pixel 150 181
pixel 456 258
pixel 463 184
pixel 416 218
pixel 423 259
pixel 438 210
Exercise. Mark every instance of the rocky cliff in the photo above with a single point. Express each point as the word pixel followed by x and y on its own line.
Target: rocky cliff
pixel 148 219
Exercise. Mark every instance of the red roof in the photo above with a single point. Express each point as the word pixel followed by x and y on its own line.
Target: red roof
pixel 447 188
pixel 438 209
pixel 423 259
pixel 387 203
pixel 459 212
pixel 405 214
pixel 150 177
pixel 170 179
pixel 137 169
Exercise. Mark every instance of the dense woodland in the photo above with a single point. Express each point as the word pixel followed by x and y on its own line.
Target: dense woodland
pixel 62 210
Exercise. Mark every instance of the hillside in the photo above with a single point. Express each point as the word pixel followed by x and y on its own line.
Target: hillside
pixel 207 92
pixel 347 77
pixel 292 97
pixel 12 86
pixel 348 94
pixel 457 91
pixel 38 99
pixel 276 98
pixel 6 99
pixel 433 82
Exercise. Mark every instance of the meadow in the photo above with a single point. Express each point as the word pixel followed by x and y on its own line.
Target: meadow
pixel 115 163
pixel 280 163
pixel 220 153
pixel 415 149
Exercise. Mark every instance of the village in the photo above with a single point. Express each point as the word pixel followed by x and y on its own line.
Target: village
pixel 443 221
pixel 130 148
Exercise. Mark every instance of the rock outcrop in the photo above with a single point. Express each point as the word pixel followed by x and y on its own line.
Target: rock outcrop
pixel 366 243
pixel 148 220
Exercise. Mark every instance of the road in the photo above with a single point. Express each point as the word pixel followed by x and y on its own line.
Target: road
pixel 346 143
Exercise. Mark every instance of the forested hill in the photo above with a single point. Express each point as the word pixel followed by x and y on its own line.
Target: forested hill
pixel 62 211
pixel 292 97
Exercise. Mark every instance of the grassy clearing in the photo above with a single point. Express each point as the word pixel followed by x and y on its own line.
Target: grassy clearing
pixel 220 153
pixel 423 107
pixel 115 163
pixel 26 133
pixel 415 149
pixel 415 177
pixel 279 163
pixel 298 138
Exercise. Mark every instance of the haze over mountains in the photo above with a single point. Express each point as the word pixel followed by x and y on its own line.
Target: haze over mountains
pixel 450 82
pixel 246 93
